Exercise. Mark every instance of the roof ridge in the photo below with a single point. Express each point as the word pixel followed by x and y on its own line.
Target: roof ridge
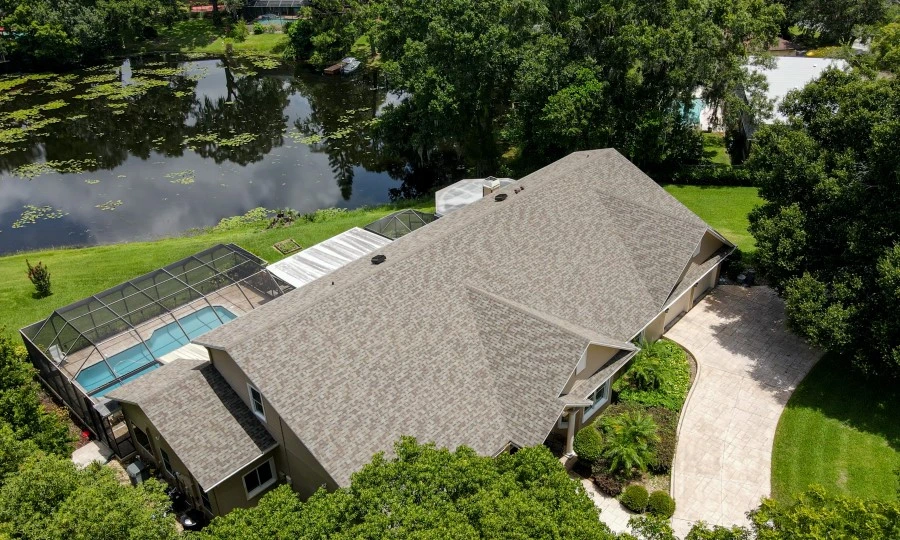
pixel 553 320
pixel 456 221
pixel 684 222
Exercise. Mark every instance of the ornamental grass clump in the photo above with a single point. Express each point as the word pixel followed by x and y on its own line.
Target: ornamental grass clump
pixel 40 278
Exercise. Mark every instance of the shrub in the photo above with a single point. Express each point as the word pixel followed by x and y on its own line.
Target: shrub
pixel 635 498
pixel 239 31
pixel 588 444
pixel 258 29
pixel 629 437
pixel 710 175
pixel 659 376
pixel 661 504
pixel 286 26
pixel 664 448
pixel 607 482
pixel 40 278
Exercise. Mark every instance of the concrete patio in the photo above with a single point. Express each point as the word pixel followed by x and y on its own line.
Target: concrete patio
pixel 749 364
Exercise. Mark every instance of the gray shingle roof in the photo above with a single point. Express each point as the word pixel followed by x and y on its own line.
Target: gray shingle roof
pixel 199 415
pixel 417 346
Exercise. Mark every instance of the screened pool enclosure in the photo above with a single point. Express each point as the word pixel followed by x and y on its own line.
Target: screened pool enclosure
pixel 86 349
pixel 400 223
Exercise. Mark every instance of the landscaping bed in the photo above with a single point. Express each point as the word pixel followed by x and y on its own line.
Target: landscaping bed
pixel 629 449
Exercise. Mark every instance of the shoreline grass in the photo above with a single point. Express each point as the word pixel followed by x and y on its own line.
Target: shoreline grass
pixel 80 272
pixel 839 431
pixel 201 36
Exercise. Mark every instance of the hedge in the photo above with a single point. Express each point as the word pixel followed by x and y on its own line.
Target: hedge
pixel 588 444
pixel 713 174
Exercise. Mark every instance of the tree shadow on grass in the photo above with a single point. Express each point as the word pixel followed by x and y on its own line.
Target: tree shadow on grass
pixel 865 404
pixel 189 34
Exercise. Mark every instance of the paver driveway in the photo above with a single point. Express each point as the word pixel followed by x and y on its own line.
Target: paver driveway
pixel 749 364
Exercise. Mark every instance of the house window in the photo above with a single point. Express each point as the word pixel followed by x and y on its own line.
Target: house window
pixel 142 439
pixel 167 464
pixel 259 479
pixel 256 403
pixel 599 396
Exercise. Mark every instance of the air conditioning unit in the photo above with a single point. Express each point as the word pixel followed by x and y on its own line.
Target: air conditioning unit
pixel 138 472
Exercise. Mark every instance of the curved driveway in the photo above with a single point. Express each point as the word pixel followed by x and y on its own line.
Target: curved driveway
pixel 749 364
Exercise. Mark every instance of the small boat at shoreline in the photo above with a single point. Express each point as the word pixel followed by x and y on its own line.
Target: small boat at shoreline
pixel 350 65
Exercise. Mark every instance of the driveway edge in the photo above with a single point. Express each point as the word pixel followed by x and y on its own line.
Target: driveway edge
pixel 681 417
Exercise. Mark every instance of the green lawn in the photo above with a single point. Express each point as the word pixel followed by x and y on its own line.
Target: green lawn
pixel 725 208
pixel 714 148
pixel 77 273
pixel 200 36
pixel 841 432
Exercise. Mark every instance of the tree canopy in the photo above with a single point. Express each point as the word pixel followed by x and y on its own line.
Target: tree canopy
pixel 426 492
pixel 547 78
pixel 59 33
pixel 828 235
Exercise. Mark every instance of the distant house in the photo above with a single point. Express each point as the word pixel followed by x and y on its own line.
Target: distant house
pixel 496 326
pixel 789 73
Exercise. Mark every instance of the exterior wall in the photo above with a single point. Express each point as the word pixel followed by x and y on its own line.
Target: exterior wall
pixel 595 357
pixel 292 458
pixel 223 498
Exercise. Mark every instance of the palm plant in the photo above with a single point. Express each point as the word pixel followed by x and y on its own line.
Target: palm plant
pixel 629 441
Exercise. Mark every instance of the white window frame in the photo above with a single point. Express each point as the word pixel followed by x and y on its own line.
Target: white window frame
pixel 598 404
pixel 564 420
pixel 264 486
pixel 261 413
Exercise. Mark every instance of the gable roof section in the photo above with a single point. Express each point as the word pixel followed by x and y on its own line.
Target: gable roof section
pixel 414 345
pixel 199 415
pixel 530 359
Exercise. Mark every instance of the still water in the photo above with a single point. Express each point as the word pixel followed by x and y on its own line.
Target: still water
pixel 149 148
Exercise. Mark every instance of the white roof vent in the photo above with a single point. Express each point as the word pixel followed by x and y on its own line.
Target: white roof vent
pixel 491 185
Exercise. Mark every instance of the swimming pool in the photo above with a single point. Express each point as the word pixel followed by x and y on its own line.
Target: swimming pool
pixel 163 341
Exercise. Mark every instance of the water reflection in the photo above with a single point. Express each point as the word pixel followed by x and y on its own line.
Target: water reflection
pixel 183 144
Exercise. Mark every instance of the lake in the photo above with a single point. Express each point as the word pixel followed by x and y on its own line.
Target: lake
pixel 154 147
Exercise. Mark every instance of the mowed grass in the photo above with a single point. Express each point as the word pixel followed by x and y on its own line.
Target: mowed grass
pixel 839 431
pixel 714 148
pixel 201 36
pixel 726 209
pixel 78 273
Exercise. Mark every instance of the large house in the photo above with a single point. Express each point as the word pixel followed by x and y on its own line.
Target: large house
pixel 494 327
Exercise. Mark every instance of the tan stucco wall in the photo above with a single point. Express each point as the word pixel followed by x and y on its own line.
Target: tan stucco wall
pixel 596 356
pixel 223 498
pixel 292 457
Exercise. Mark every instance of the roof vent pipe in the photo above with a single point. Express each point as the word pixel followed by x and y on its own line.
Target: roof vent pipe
pixel 378 259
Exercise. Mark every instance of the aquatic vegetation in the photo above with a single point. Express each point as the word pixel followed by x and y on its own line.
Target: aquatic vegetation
pixel 74 166
pixel 109 205
pixel 182 177
pixel 212 138
pixel 33 213
pixel 163 71
pixel 56 87
pixel 8 84
pixel 23 115
pixel 14 135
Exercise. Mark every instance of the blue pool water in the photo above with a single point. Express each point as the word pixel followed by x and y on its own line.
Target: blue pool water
pixel 163 341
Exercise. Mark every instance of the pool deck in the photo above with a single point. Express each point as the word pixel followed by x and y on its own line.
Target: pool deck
pixel 231 298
